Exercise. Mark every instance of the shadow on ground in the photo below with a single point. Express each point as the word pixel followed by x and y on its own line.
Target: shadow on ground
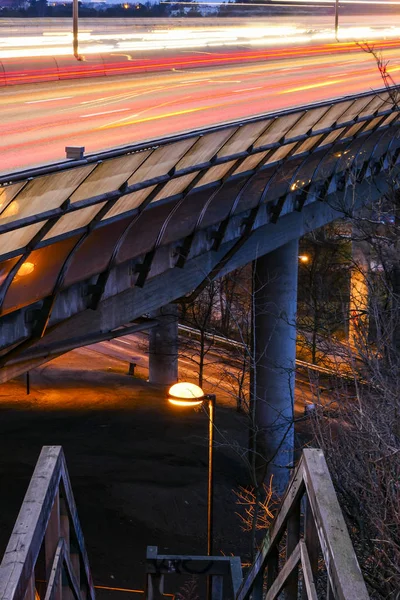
pixel 138 467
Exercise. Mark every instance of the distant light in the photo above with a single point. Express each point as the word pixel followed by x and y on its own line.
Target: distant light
pixel 304 258
pixel 11 210
pixel 25 269
pixel 125 5
pixel 185 394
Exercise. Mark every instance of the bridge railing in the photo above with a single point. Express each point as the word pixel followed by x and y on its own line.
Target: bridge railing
pixel 46 557
pixel 308 543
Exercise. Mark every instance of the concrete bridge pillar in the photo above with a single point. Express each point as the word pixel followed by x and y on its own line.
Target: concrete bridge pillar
pixel 275 305
pixel 163 347
pixel 358 304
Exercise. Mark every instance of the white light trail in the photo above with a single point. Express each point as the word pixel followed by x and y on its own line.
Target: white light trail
pixel 192 39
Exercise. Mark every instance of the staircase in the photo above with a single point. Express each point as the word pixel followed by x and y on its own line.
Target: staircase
pixel 307 553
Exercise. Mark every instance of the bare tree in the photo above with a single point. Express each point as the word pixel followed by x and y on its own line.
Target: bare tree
pixel 359 429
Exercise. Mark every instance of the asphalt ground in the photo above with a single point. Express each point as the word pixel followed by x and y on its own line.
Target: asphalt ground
pixel 138 467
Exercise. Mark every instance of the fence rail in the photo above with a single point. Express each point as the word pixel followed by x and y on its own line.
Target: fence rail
pixel 302 539
pixel 46 557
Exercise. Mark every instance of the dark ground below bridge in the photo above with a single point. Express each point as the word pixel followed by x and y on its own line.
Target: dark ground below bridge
pixel 138 467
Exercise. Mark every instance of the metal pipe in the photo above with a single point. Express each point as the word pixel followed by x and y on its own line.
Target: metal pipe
pixel 210 492
pixel 75 9
pixel 336 18
pixel 211 407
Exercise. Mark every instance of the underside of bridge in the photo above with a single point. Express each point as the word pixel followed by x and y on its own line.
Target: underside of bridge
pixel 89 246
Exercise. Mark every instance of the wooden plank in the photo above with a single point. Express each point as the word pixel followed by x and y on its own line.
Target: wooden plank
pixel 53 590
pixel 257 592
pixel 293 536
pixel 236 573
pixel 74 522
pixel 72 580
pixel 64 523
pixel 329 592
pixel 217 587
pixel 272 567
pixel 311 540
pixel 343 569
pixel 51 542
pixel 155 587
pixel 286 571
pixel 27 536
pixel 291 497
pixel 76 565
pixel 30 593
pixel 308 576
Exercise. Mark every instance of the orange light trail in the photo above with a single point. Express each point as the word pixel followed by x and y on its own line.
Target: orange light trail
pixel 62 72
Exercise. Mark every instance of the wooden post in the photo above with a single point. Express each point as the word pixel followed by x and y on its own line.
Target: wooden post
pixel 217 587
pixel 155 587
pixel 76 563
pixel 258 586
pixel 329 592
pixel 67 593
pixel 30 591
pixel 272 567
pixel 131 370
pixel 293 536
pixel 312 543
pixel 51 540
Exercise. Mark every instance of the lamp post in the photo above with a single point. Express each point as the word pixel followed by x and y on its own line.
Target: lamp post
pixel 336 18
pixel 188 394
pixel 75 9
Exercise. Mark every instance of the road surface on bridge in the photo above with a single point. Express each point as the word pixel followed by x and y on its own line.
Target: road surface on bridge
pixel 39 120
pixel 53 36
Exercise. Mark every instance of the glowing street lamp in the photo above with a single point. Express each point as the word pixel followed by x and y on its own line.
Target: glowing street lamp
pixel 304 258
pixel 188 394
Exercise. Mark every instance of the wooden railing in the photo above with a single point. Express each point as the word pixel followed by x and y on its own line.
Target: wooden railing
pixel 307 547
pixel 309 531
pixel 46 558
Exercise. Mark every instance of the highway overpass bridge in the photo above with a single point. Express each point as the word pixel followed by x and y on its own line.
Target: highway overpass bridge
pixel 93 244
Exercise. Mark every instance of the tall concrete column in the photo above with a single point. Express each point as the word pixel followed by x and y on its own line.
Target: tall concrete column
pixel 275 305
pixel 358 304
pixel 163 347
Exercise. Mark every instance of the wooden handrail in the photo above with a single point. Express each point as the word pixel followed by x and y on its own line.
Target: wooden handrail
pixel 47 545
pixel 323 526
pixel 48 522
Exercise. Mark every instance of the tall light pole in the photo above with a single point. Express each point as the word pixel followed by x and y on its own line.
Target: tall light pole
pixel 75 8
pixel 336 18
pixel 188 394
